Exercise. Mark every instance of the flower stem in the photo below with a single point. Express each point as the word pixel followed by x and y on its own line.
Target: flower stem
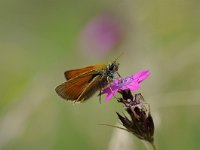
pixel 153 145
pixel 149 145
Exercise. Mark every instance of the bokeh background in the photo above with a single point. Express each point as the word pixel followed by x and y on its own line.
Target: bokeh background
pixel 39 40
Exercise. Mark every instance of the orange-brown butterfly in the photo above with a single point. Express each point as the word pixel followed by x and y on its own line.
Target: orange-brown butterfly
pixel 82 83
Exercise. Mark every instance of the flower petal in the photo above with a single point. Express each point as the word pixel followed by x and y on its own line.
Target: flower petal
pixel 134 87
pixel 131 82
pixel 110 95
pixel 141 75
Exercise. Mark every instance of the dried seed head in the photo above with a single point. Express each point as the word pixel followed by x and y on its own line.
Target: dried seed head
pixel 140 122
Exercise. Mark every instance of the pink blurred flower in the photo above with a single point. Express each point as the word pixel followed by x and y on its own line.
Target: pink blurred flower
pixel 101 35
pixel 131 82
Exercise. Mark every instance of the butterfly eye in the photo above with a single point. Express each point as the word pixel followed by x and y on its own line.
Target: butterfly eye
pixel 113 67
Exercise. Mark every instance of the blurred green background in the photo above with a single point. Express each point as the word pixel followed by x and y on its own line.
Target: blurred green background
pixel 39 40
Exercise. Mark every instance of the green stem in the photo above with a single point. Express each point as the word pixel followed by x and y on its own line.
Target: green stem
pixel 150 145
pixel 153 145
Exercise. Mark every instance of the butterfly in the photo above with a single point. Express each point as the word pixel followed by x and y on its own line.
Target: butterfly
pixel 82 83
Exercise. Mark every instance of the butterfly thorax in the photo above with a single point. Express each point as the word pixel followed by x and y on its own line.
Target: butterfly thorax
pixel 111 70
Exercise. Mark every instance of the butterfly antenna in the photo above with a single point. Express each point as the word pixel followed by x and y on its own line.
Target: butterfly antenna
pixel 122 53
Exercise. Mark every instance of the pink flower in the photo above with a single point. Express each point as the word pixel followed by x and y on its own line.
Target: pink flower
pixel 131 82
pixel 101 35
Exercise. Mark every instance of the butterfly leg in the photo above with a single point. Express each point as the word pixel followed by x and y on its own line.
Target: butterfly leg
pixel 100 87
pixel 118 74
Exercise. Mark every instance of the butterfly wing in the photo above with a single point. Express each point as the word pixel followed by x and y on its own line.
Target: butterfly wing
pixel 91 88
pixel 73 88
pixel 74 73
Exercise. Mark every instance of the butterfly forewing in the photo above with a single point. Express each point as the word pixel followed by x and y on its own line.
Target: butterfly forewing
pixel 74 88
pixel 74 73
pixel 94 85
